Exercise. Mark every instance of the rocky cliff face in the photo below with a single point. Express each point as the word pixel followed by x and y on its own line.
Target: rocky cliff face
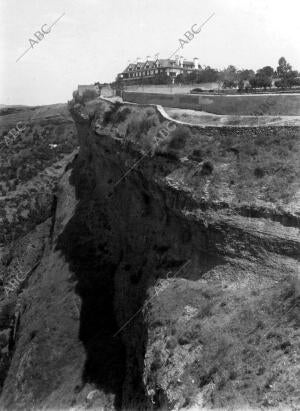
pixel 36 144
pixel 169 278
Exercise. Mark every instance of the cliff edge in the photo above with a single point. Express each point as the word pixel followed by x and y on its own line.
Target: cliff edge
pixel 169 277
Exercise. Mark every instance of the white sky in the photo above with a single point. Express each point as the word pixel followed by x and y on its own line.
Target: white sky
pixel 95 39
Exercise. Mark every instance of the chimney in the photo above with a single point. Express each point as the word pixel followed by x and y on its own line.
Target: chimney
pixel 177 60
pixel 196 66
pixel 181 61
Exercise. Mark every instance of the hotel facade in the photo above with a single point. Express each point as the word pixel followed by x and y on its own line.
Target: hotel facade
pixel 155 69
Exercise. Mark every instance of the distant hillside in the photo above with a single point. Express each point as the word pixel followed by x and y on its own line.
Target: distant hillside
pixel 26 159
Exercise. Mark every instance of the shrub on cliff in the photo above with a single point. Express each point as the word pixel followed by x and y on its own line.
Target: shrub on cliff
pixel 174 142
pixel 197 155
pixel 140 125
pixel 116 114
pixel 178 138
pixel 259 172
pixel 121 115
pixel 108 115
pixel 207 168
pixel 146 124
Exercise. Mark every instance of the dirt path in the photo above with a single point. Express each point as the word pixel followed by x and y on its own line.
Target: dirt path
pixel 216 120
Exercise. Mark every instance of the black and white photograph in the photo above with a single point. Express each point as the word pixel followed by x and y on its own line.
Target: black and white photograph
pixel 149 205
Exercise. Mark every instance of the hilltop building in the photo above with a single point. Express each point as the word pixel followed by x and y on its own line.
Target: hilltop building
pixel 152 69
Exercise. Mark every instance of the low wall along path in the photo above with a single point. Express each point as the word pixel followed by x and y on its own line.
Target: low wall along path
pixel 268 104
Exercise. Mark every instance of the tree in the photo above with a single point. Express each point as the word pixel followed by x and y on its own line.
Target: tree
pixel 245 74
pixel 208 75
pixel 296 81
pixel 192 77
pixel 241 85
pixel 283 68
pixel 285 73
pixel 291 78
pixel 229 74
pixel 260 81
pixel 180 79
pixel 229 84
pixel 264 77
pixel 267 71
pixel 279 83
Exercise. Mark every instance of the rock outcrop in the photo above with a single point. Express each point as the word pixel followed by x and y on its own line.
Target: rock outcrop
pixel 165 282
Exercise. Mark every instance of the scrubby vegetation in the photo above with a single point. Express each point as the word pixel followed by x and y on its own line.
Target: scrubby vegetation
pixel 140 126
pixel 239 164
pixel 30 166
pixel 116 114
pixel 34 149
pixel 263 160
pixel 178 138
pixel 230 342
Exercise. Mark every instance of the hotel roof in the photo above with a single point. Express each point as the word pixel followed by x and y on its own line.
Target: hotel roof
pixel 159 63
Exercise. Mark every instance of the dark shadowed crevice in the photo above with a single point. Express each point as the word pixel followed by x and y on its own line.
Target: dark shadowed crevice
pixel 94 268
pixel 118 249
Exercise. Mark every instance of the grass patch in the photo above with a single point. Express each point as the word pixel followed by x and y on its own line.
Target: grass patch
pixel 263 161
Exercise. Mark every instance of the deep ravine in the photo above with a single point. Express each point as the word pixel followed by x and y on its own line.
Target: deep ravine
pixel 149 297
